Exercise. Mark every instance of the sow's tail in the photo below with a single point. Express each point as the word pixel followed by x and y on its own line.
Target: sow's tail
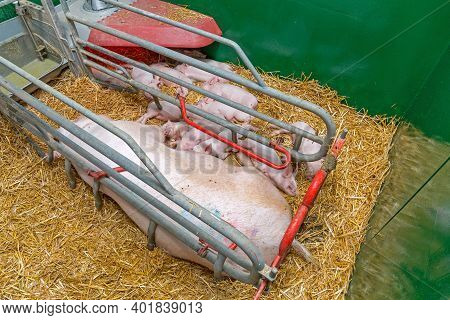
pixel 303 252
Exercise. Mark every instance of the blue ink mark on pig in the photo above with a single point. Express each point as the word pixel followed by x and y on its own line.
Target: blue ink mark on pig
pixel 216 213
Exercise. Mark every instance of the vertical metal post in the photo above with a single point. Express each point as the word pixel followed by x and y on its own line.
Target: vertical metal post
pixel 40 49
pixel 97 195
pixel 69 173
pixel 151 244
pixel 75 62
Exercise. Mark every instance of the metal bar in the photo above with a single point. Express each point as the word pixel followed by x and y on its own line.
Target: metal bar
pixel 66 43
pixel 185 237
pixel 203 33
pixel 226 124
pixel 69 173
pixel 21 11
pixel 203 214
pixel 110 63
pixel 297 141
pixel 6 2
pixel 105 61
pixel 151 244
pixel 235 145
pixel 95 118
pixel 307 203
pixel 202 91
pixel 324 115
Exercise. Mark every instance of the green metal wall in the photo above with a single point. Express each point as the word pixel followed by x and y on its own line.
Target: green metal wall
pixel 406 254
pixel 9 12
pixel 381 54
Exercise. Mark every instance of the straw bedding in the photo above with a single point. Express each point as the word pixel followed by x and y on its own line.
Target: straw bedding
pixel 55 245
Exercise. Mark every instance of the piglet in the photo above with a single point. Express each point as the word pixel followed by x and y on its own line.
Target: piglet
pixel 147 79
pixel 283 179
pixel 173 131
pixel 203 76
pixel 218 149
pixel 169 112
pixel 231 92
pixel 194 137
pixel 306 147
pixel 223 111
pixel 217 64
pixel 174 73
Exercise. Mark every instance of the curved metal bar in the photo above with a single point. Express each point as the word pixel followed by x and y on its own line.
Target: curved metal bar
pixel 206 34
pixel 202 91
pixel 226 124
pixel 251 251
pixel 105 61
pixel 235 145
pixel 324 115
pixel 251 277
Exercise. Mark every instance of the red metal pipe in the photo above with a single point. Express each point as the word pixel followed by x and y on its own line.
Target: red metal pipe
pixel 302 211
pixel 234 145
pixel 101 174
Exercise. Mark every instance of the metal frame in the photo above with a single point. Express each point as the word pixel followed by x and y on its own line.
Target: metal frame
pixel 258 86
pixel 248 267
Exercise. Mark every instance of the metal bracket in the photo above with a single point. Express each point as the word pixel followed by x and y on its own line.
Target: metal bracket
pixel 269 273
pixel 50 157
pixel 97 194
pixel 329 163
pixel 69 173
pixel 151 243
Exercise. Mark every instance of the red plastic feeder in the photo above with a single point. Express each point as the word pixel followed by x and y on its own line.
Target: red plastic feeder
pixel 154 31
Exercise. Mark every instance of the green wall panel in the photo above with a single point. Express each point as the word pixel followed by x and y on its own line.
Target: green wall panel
pixel 406 254
pixel 9 12
pixel 410 257
pixel 380 54
pixel 431 110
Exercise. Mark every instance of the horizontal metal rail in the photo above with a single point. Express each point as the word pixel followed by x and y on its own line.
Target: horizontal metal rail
pixel 206 34
pixel 190 108
pixel 141 200
pixel 108 62
pixel 324 115
pixel 94 117
pixel 257 263
pixel 193 87
pixel 247 133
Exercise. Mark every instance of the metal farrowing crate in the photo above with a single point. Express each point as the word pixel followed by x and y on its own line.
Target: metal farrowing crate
pixel 250 267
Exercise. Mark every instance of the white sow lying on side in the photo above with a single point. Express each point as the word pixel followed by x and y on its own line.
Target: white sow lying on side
pixel 241 196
